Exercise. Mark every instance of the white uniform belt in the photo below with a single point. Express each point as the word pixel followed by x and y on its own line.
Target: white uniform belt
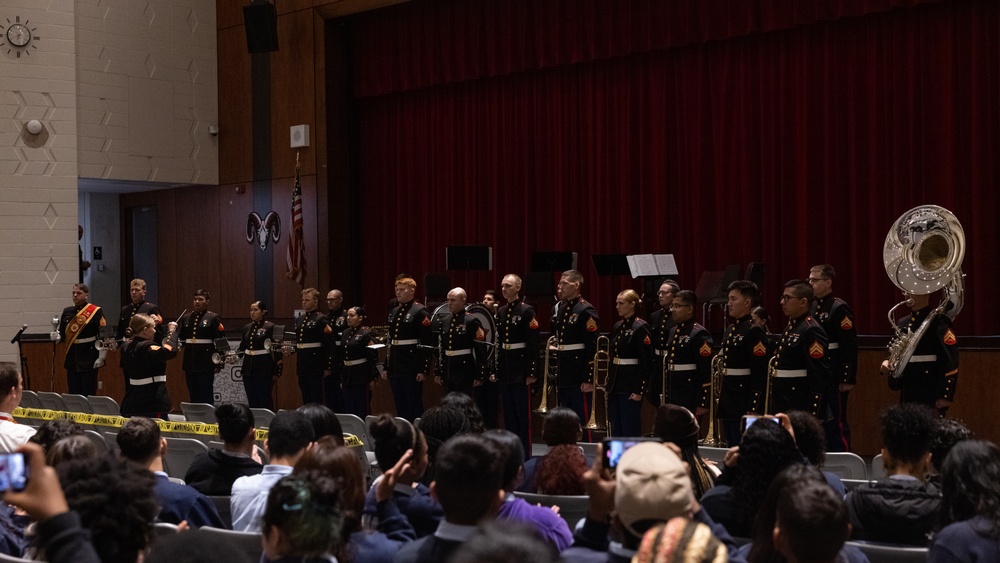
pixel 355 362
pixel 302 345
pixel 682 367
pixel 833 345
pixel 925 358
pixel 659 352
pixel 514 346
pixel 464 352
pixel 405 342
pixel 87 340
pixel 626 361
pixel 790 373
pixel 148 380
pixel 569 347
pixel 199 341
pixel 338 343
pixel 737 371
pixel 256 352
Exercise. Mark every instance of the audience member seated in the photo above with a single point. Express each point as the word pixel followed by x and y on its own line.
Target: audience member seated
pixel 650 486
pixel 801 519
pixel 440 424
pixel 58 531
pixel 902 508
pixel 765 451
pixel 393 438
pixel 140 442
pixel 13 435
pixel 549 524
pixel 467 405
pixel 970 511
pixel 329 458
pixel 302 521
pixel 562 471
pixel 324 421
pixel 51 431
pixel 288 437
pixel 504 541
pixel 948 433
pixel 213 472
pixel 72 447
pixel 560 429
pixel 115 500
pixel 681 539
pixel 468 484
pixel 810 437
pixel 676 424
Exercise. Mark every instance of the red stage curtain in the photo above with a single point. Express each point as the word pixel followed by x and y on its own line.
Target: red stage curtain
pixel 792 137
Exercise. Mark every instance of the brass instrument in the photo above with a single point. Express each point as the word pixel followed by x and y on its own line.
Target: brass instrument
pixel 106 343
pixel 713 438
pixel 602 360
pixel 543 406
pixel 923 253
pixel 772 372
pixel 664 368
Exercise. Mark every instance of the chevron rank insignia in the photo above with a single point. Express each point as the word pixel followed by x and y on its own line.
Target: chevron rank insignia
pixel 949 338
pixel 327 330
pixel 591 325
pixel 846 323
pixel 426 321
pixel 759 350
pixel 816 350
pixel 647 341
pixel 705 350
pixel 533 325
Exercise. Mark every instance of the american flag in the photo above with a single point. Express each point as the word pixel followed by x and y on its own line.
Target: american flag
pixel 296 259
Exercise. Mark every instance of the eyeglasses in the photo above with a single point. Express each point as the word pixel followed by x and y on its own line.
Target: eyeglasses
pixel 787 297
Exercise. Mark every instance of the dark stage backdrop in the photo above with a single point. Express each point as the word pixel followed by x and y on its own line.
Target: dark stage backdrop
pixel 790 136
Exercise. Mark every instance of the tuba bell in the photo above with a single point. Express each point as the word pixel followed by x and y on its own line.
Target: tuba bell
pixel 923 253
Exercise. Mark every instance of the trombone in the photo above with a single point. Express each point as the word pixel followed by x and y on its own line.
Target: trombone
pixel 714 395
pixel 543 406
pixel 602 359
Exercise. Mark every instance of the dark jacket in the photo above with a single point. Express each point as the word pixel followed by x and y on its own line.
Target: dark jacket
pixel 213 473
pixel 901 511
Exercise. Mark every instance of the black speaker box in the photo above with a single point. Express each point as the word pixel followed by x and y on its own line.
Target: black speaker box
pixel 261 22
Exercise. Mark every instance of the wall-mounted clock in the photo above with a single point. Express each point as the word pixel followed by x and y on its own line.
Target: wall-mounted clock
pixel 18 37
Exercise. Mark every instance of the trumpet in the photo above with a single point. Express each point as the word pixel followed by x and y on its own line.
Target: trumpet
pixel 106 343
pixel 772 372
pixel 715 394
pixel 229 357
pixel 602 359
pixel 543 406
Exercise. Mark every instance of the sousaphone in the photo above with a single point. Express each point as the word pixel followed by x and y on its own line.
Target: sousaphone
pixel 923 253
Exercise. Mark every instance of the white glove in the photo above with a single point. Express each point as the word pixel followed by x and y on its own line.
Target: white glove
pixel 98 363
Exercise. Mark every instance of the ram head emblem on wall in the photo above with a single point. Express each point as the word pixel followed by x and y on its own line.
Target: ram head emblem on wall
pixel 261 230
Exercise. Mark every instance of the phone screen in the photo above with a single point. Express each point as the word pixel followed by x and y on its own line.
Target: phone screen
pixel 615 447
pixel 13 472
pixel 749 420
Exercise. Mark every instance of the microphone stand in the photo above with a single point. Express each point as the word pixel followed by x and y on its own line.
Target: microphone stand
pixel 25 376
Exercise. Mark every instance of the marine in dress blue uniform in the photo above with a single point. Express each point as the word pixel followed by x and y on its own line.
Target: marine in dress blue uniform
pixel 689 357
pixel 660 323
pixel 633 364
pixel 575 323
pixel 358 373
pixel 837 319
pixel 408 365
pixel 80 325
pixel 517 355
pixel 462 353
pixel 745 352
pixel 313 347
pixel 332 385
pixel 259 365
pixel 802 379
pixel 198 331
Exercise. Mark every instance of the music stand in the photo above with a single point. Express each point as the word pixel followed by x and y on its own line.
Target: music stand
pixel 469 258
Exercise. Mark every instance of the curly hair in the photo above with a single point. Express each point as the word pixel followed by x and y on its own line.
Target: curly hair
pixel 305 509
pixel 115 502
pixel 561 471
pixel 948 433
pixel 969 484
pixel 561 426
pixel 809 436
pixel 906 431
pixel 467 405
pixel 765 451
pixel 51 431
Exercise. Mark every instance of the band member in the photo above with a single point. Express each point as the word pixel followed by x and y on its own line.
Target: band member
pixel 463 358
pixel 802 379
pixel 359 374
pixel 144 362
pixel 260 369
pixel 633 364
pixel 198 331
pixel 80 327
pixel 409 325
pixel 137 292
pixel 575 323
pixel 931 376
pixel 333 393
pixel 689 357
pixel 744 355
pixel 313 347
pixel 517 352
pixel 660 323
pixel 837 319
pixel 490 301
pixel 488 394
